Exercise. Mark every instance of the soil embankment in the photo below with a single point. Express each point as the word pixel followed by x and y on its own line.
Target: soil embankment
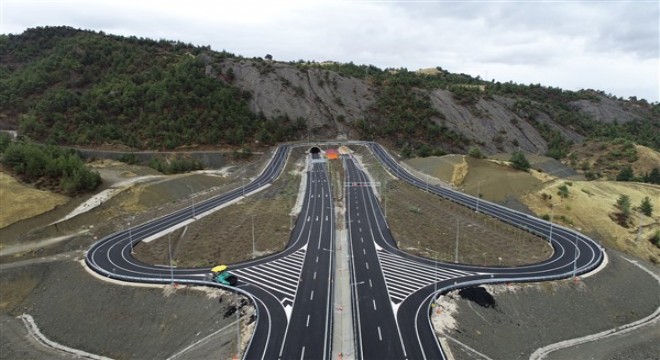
pixel 527 317
pixel 122 322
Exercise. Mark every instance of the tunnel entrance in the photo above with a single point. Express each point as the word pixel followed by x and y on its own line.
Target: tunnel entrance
pixel 314 150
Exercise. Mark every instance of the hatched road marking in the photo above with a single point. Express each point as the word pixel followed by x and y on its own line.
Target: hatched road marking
pixel 403 276
pixel 279 277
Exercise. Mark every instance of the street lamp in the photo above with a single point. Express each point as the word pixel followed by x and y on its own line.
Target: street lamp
pixel 253 246
pixel 435 279
pixel 169 245
pixel 192 198
pixel 576 255
pixel 130 236
pixel 552 216
pixel 243 183
pixel 458 227
pixel 238 328
pixel 478 194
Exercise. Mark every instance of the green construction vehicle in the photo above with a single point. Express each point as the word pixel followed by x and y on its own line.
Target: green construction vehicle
pixel 220 275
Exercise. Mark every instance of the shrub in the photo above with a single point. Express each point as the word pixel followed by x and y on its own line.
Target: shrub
pixel 655 239
pixel 646 207
pixel 519 161
pixel 475 152
pixel 563 191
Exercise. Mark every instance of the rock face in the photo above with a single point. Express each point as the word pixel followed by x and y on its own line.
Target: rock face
pixel 490 123
pixel 607 110
pixel 331 103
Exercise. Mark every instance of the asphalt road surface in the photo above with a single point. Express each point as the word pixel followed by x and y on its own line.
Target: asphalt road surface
pixel 391 291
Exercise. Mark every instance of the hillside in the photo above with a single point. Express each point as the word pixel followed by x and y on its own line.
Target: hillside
pixel 87 88
pixel 588 206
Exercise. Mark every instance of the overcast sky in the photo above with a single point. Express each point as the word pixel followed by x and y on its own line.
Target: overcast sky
pixel 606 45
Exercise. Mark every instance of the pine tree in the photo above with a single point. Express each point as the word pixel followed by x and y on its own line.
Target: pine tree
pixel 519 161
pixel 646 207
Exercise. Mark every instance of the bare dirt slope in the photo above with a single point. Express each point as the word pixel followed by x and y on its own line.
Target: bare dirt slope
pixel 438 222
pixel 225 237
pixel 589 206
pixel 122 322
pixel 528 317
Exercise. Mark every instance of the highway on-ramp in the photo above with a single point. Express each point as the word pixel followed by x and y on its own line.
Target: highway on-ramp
pixel 392 291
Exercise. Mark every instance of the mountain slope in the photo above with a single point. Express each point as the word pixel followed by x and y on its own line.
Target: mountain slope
pixel 86 88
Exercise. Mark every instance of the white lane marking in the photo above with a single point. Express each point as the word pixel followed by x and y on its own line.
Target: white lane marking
pixel 317 259
pixel 307 321
pixel 308 218
pixel 311 296
pixel 367 265
pixel 380 335
pixel 314 275
pixel 370 284
pixel 302 356
pixel 361 240
pixel 326 218
pixel 374 300
pixel 360 229
pixel 364 252
pixel 317 219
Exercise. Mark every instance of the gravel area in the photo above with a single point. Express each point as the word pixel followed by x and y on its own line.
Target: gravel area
pixel 75 309
pixel 527 317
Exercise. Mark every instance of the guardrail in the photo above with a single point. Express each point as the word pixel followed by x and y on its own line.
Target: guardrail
pixel 499 212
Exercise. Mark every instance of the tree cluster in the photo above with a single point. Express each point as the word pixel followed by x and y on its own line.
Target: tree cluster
pixel 175 166
pixel 50 167
pixel 519 161
pixel 81 87
pixel 84 88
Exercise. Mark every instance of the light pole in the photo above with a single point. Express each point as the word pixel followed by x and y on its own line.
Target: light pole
pixel 243 183
pixel 238 328
pixel 192 199
pixel 130 236
pixel 552 216
pixel 576 255
pixel 253 246
pixel 458 227
pixel 435 279
pixel 169 245
pixel 478 194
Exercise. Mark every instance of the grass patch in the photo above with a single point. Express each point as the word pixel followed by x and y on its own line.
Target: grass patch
pixel 22 202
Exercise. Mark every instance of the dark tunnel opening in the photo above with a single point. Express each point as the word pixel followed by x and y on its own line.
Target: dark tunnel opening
pixel 314 150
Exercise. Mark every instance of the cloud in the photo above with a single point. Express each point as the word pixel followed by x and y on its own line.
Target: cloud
pixel 572 44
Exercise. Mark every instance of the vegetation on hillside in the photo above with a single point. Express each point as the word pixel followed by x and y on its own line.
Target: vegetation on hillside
pixel 86 88
pixel 405 115
pixel 79 87
pixel 48 167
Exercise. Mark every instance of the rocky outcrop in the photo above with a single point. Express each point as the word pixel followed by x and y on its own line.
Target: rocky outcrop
pixel 330 104
pixel 606 110
pixel 327 101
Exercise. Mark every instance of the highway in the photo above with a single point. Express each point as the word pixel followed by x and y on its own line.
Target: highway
pixel 574 254
pixel 392 291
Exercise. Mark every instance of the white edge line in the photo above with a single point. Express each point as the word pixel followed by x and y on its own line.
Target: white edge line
pixel 654 317
pixel 199 216
pixel 34 331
